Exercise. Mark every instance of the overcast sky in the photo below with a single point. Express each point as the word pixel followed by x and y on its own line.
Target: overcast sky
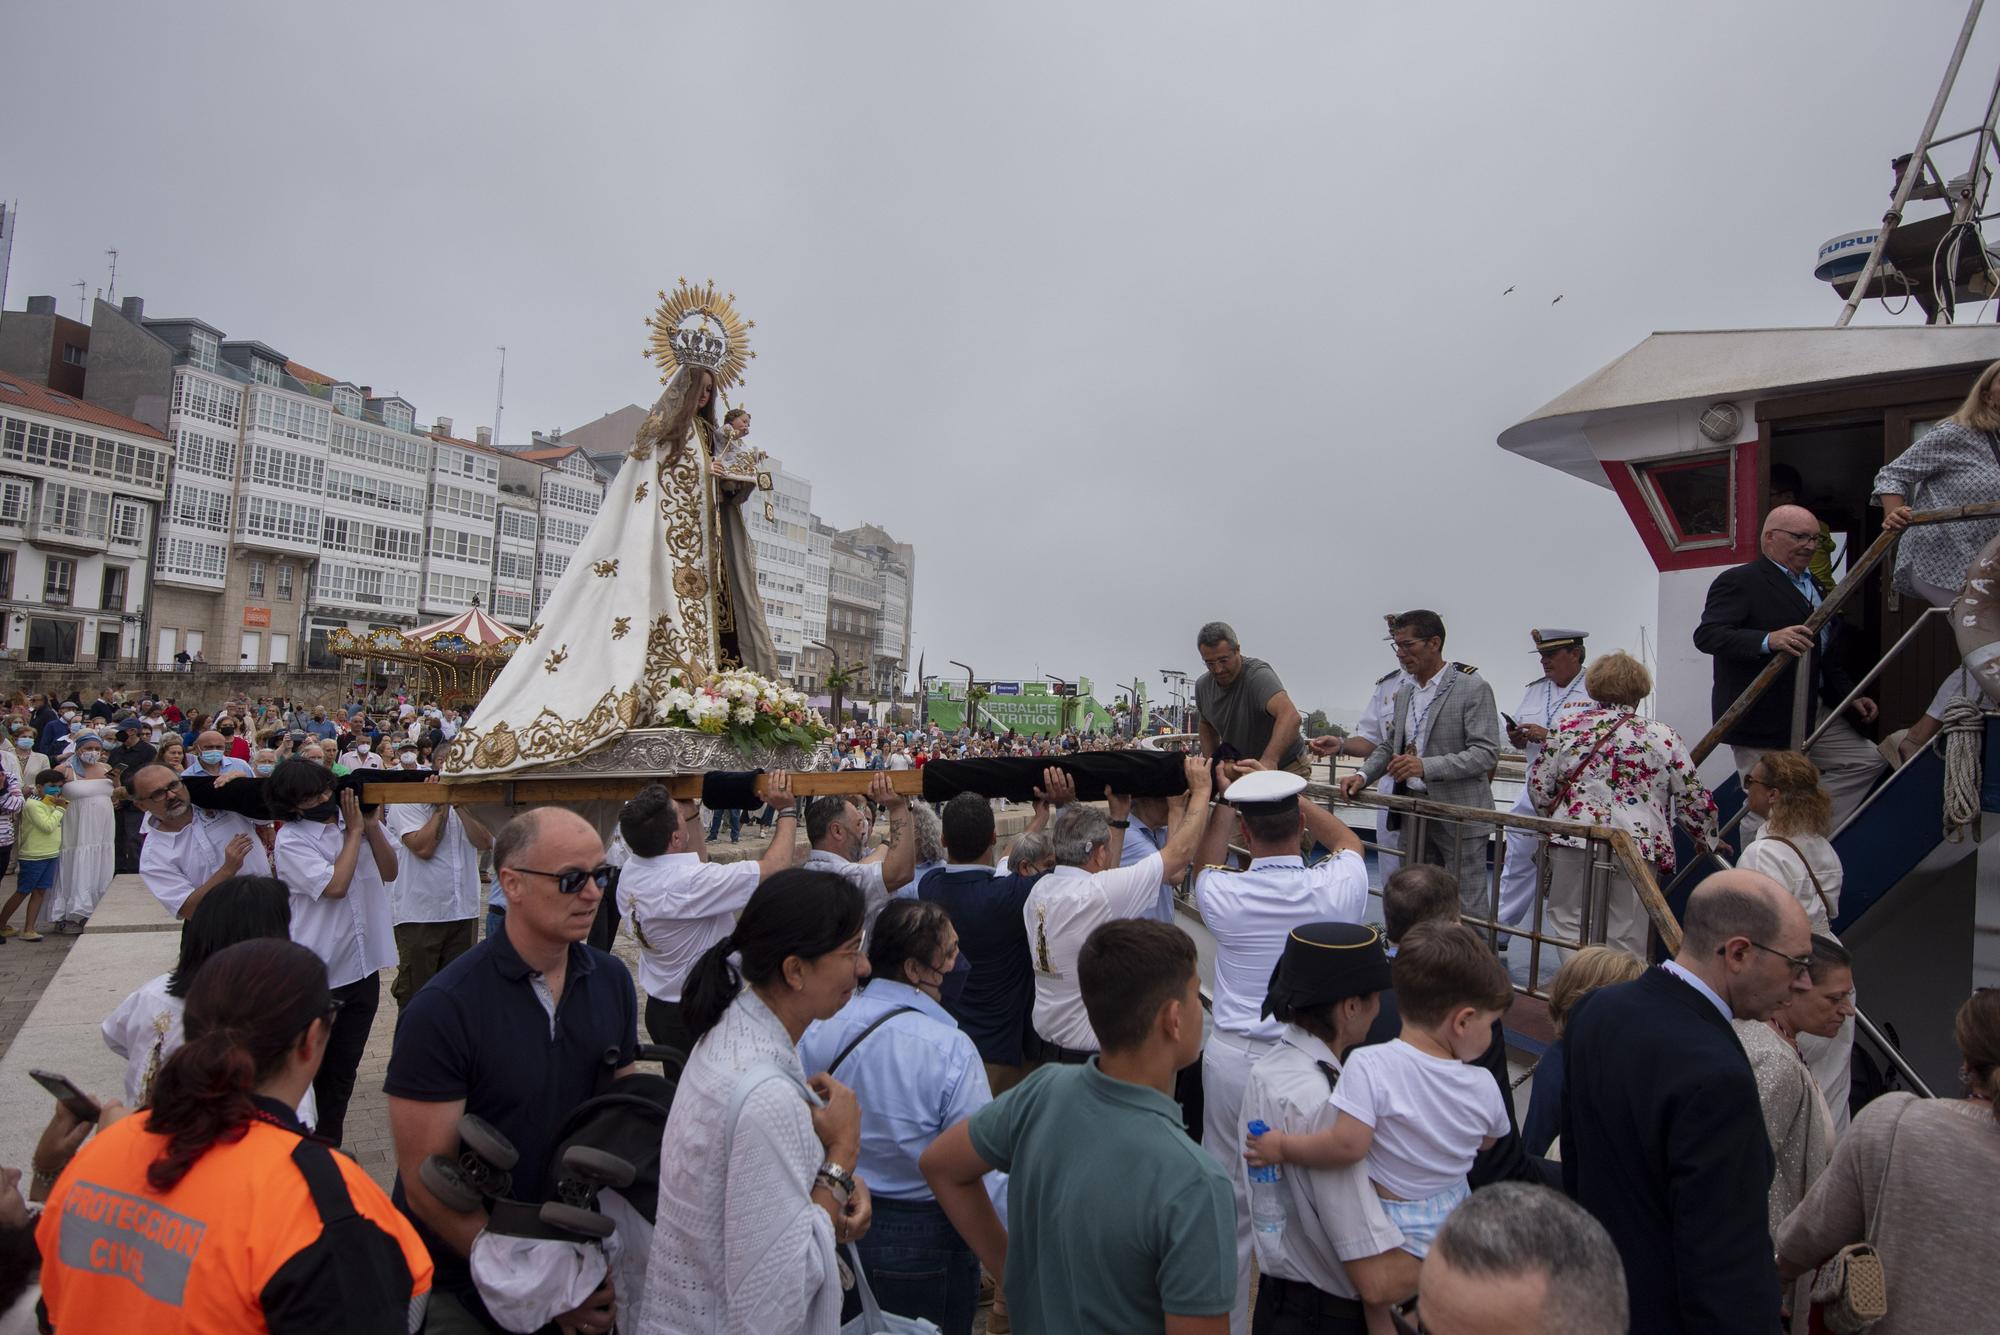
pixel 1128 316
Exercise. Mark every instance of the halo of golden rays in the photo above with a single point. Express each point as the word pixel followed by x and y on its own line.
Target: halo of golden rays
pixel 716 310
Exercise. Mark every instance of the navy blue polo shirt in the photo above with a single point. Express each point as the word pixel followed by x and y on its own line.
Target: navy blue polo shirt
pixel 478 1031
pixel 986 911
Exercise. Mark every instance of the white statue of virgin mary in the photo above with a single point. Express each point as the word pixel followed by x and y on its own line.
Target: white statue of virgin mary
pixel 666 579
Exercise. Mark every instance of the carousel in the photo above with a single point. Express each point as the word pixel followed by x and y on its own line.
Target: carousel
pixel 448 663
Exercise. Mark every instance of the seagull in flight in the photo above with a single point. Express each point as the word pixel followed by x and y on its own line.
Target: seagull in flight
pixel 1559 297
pixel 1509 292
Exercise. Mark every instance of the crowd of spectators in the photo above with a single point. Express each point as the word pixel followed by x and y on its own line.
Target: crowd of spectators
pixel 906 1053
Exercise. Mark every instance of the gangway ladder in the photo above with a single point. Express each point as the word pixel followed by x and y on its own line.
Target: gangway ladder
pixel 1967 194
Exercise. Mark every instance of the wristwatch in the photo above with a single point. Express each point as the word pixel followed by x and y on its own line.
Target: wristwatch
pixel 1120 824
pixel 836 1180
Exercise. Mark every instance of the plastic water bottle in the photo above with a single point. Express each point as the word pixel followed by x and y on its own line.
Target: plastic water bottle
pixel 1267 1208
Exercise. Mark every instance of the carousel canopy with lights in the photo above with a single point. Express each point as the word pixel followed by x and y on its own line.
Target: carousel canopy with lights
pixel 451 661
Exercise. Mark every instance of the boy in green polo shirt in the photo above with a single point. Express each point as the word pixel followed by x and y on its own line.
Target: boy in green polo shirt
pixel 1120 1222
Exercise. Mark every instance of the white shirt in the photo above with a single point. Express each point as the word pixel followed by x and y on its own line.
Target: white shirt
pixel 678 906
pixel 1332 1215
pixel 1064 908
pixel 145 1030
pixel 441 888
pixel 1429 1115
pixel 1417 718
pixel 1251 912
pixel 356 934
pixel 355 760
pixel 740 1247
pixel 172 863
pixel 1545 704
pixel 1781 864
pixel 866 875
pixel 1376 723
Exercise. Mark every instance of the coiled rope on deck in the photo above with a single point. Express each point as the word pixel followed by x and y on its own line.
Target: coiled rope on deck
pixel 1964 723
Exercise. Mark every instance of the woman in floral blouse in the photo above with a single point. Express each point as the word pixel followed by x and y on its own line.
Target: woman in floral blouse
pixel 1608 766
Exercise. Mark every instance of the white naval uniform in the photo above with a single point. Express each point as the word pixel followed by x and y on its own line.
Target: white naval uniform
pixel 1376 722
pixel 1544 705
pixel 1250 914
pixel 1332 1216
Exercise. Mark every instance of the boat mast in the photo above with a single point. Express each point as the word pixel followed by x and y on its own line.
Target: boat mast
pixel 1913 167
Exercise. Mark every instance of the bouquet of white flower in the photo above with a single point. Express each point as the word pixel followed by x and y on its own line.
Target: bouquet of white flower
pixel 746 708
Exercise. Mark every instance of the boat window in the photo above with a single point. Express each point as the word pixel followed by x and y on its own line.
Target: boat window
pixel 1694 499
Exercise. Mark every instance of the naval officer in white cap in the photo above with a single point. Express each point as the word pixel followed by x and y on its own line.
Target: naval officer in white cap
pixel 1552 697
pixel 1249 913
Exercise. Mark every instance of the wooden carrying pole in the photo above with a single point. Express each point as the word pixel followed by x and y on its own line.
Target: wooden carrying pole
pixel 526 792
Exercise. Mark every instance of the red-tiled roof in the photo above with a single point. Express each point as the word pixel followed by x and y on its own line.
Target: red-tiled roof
pixel 23 394
pixel 305 375
pixel 548 456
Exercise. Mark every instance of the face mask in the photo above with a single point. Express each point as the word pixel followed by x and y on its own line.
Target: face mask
pixel 90 757
pixel 212 756
pixel 408 757
pixel 24 742
pixel 361 748
pixel 325 811
pixel 265 767
pixel 51 790
pixel 952 986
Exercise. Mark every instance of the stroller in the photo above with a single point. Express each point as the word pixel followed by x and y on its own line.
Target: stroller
pixel 538 1259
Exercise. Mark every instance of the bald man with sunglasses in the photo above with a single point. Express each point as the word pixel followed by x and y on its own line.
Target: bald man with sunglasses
pixel 518 1030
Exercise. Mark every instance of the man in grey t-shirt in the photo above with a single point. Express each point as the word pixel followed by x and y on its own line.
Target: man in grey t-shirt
pixel 1243 705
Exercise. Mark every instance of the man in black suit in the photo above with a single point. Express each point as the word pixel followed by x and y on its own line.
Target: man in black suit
pixel 1423 892
pixel 1756 610
pixel 1663 1136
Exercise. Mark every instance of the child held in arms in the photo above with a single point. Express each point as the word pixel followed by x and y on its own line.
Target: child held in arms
pixel 1413 1107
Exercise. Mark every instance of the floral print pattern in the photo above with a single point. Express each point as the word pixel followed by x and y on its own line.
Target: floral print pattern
pixel 1635 777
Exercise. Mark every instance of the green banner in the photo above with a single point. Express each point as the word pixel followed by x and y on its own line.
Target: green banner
pixel 1039 715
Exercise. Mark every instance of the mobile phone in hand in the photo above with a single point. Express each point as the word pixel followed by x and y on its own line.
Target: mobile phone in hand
pixel 84 1107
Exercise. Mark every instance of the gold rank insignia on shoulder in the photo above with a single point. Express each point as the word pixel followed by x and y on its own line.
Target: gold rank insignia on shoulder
pixel 1386 675
pixel 1221 866
pixel 1469 670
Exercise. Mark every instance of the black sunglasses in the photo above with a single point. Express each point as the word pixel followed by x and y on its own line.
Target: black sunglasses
pixel 570 882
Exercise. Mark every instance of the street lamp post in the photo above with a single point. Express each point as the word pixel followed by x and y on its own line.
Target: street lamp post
pixel 969 723
pixel 834 680
pixel 1062 702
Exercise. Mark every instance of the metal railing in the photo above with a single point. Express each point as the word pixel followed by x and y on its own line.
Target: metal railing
pixel 1610 852
pixel 1829 607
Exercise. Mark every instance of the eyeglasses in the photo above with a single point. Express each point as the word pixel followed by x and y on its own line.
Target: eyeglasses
pixel 1405 646
pixel 160 792
pixel 1799 963
pixel 1754 782
pixel 1809 535
pixel 571 882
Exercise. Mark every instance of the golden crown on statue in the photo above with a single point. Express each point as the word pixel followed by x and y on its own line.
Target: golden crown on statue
pixel 700 327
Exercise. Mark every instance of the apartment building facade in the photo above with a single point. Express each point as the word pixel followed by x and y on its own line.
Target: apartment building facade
pixel 80 494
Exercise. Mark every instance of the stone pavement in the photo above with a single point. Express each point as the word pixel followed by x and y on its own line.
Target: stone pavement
pixel 25 970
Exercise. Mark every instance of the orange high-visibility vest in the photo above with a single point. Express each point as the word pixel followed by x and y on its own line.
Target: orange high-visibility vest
pixel 273 1230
